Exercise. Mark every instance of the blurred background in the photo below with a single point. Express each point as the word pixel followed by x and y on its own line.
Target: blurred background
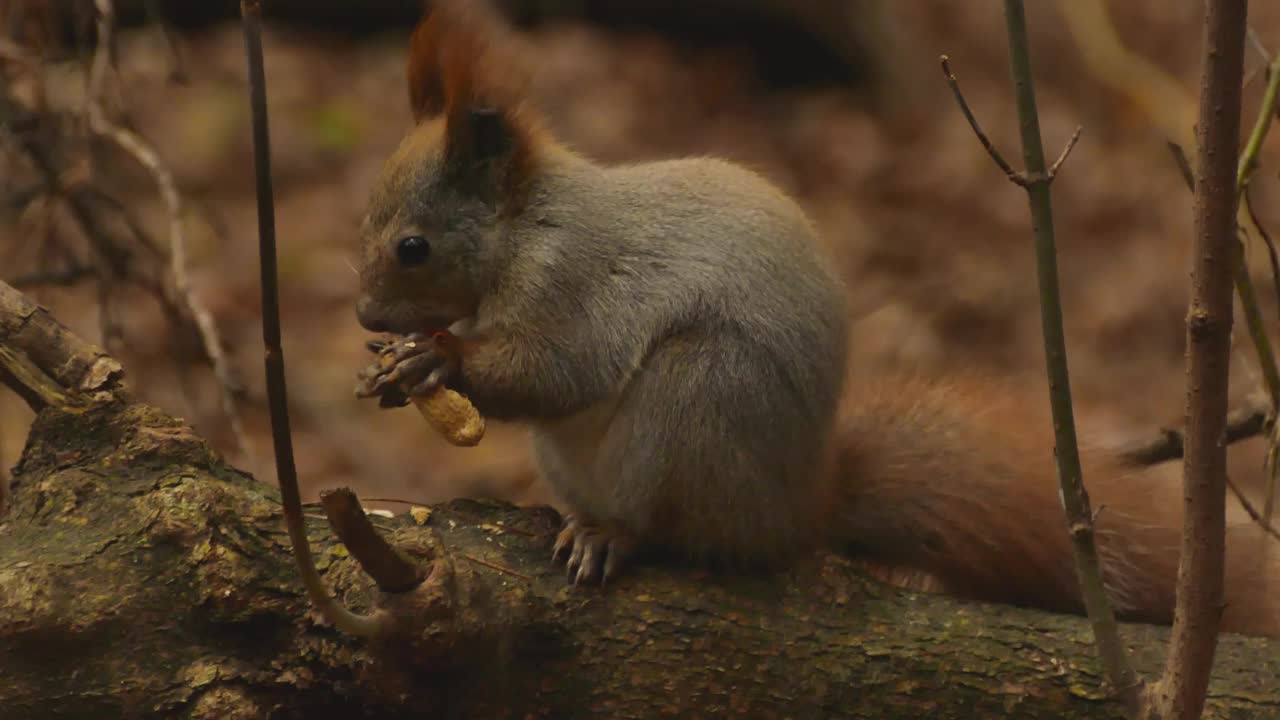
pixel 840 102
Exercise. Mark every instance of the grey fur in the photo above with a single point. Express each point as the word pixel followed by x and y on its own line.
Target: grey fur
pixel 671 331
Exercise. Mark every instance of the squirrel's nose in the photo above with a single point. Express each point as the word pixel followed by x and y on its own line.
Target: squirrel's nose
pixel 368 317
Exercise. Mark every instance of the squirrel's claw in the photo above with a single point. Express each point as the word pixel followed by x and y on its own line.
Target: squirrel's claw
pixel 564 541
pixel 417 366
pixel 595 554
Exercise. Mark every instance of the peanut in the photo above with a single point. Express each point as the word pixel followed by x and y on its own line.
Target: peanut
pixel 450 413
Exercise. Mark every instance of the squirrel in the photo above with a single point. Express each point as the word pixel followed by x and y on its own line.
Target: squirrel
pixel 676 338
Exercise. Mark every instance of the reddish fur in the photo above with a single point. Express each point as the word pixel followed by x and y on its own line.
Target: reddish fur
pixel 426 86
pixel 452 55
pixel 952 487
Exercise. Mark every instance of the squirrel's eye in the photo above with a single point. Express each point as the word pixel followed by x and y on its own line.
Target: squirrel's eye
pixel 413 250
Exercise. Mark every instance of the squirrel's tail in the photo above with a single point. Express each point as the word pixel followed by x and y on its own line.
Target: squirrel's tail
pixel 953 488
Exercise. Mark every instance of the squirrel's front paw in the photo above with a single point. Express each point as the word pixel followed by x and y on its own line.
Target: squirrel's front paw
pixel 595 553
pixel 410 366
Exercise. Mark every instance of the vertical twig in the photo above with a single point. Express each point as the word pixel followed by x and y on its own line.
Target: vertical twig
pixel 1248 163
pixel 1249 158
pixel 277 396
pixel 1256 326
pixel 1182 688
pixel 1036 180
pixel 1075 498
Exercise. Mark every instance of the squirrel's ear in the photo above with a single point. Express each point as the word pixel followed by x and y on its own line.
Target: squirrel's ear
pixel 489 150
pixel 456 71
pixel 425 75
pixel 480 135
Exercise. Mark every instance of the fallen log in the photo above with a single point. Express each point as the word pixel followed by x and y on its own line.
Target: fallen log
pixel 142 577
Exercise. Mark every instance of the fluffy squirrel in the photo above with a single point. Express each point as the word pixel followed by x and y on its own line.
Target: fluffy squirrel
pixel 676 340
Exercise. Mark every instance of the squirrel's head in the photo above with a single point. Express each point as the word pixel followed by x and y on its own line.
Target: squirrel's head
pixel 437 216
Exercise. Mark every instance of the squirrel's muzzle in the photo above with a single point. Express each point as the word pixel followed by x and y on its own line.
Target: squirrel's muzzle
pixel 368 316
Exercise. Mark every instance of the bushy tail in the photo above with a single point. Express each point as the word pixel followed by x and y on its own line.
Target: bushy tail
pixel 953 488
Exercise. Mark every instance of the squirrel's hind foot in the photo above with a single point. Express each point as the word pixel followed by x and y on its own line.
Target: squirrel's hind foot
pixel 594 553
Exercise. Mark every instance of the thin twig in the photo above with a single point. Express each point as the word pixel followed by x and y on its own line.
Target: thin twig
pixel 1249 305
pixel 1111 649
pixel 1184 165
pixel 1170 444
pixel 1272 255
pixel 1254 322
pixel 277 397
pixel 150 160
pixel 1251 510
pixel 1216 257
pixel 1247 165
pixel 1248 221
pixel 1037 181
pixel 973 123
pixel 493 566
pixel 1062 157
pixel 1249 158
pixel 1273 450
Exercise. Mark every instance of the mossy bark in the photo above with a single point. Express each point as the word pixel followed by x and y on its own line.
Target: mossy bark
pixel 142 577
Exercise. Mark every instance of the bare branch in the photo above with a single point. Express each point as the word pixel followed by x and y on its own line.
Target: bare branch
pixel 973 123
pixel 149 159
pixel 1062 157
pixel 1037 181
pixel 277 399
pixel 392 572
pixel 1170 443
pixel 1181 692
pixel 1253 513
pixel 47 365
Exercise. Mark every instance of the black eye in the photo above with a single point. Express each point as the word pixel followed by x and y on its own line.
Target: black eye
pixel 413 250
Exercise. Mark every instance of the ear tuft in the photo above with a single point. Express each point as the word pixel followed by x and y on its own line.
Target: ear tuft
pixel 456 72
pixel 426 80
pixel 461 55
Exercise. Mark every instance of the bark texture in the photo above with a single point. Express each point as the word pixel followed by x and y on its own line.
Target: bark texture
pixel 142 577
pixel 1215 254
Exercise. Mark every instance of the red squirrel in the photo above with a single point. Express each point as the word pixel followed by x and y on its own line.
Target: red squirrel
pixel 676 339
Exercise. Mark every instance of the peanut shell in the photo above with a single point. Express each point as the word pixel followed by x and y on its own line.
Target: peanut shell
pixel 450 413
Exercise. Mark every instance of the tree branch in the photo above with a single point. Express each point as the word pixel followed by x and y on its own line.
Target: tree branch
pixel 134 552
pixel 277 395
pixel 110 496
pixel 45 364
pixel 1180 693
pixel 147 157
pixel 1036 180
pixel 1125 682
pixel 1169 444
